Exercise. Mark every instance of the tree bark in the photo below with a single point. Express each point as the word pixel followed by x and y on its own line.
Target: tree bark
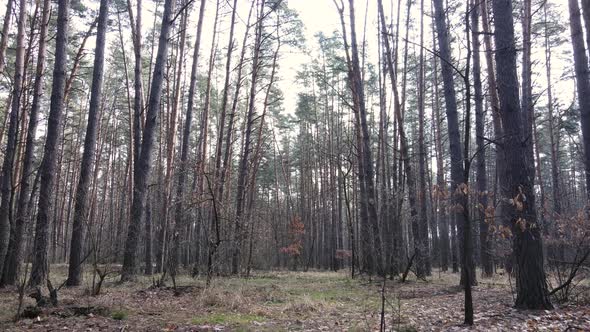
pixel 440 193
pixel 404 150
pixel 15 245
pixel 40 267
pixel 526 87
pixel 5 32
pixel 180 223
pixel 582 83
pixel 481 177
pixel 518 197
pixel 458 188
pixel 86 167
pixel 137 82
pixel 555 184
pixel 423 261
pixel 493 96
pixel 143 168
pixel 245 158
pixel 170 147
pixel 6 185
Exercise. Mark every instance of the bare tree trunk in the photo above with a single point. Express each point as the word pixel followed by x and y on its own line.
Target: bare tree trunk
pixel 80 207
pixel 170 145
pixel 459 187
pixel 555 184
pixel 224 98
pixel 583 83
pixel 40 266
pixel 493 98
pixel 259 149
pixel 149 268
pixel 443 219
pixel 467 264
pixel 526 87
pixel 142 172
pixel 404 150
pixel 6 186
pixel 245 158
pixel 423 262
pixel 359 96
pixel 219 172
pixel 201 158
pixel 586 15
pixel 225 168
pixel 481 177
pixel 15 246
pixel 518 174
pixel 137 83
pixel 5 32
pixel 180 224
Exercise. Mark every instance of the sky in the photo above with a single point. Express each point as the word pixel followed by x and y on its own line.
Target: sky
pixel 317 16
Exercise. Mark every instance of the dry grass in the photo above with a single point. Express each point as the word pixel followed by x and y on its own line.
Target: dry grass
pixel 268 301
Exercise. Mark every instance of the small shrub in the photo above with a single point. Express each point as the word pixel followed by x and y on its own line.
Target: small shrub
pixel 119 315
pixel 31 312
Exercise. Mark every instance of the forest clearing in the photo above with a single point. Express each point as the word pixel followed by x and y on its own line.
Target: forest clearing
pixel 292 301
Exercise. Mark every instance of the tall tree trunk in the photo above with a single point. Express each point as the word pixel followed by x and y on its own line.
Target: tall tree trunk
pixel 15 245
pixel 493 96
pixel 224 98
pixel 555 184
pixel 245 158
pixel 357 85
pixel 81 205
pixel 582 83
pixel 370 221
pixel 404 150
pixel 527 85
pixel 443 218
pixel 170 145
pixel 467 264
pixel 202 145
pixel 5 32
pixel 40 268
pixel 6 185
pixel 423 262
pixel 481 177
pixel 137 83
pixel 149 268
pixel 459 187
pixel 517 186
pixel 142 171
pixel 225 168
pixel 586 15
pixel 219 172
pixel 180 224
pixel 383 171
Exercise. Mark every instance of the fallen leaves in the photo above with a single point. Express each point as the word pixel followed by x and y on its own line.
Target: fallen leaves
pixel 314 301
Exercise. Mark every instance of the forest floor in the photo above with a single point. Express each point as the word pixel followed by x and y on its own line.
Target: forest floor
pixel 289 301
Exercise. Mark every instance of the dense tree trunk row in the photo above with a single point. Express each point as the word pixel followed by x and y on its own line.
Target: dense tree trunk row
pixel 370 169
